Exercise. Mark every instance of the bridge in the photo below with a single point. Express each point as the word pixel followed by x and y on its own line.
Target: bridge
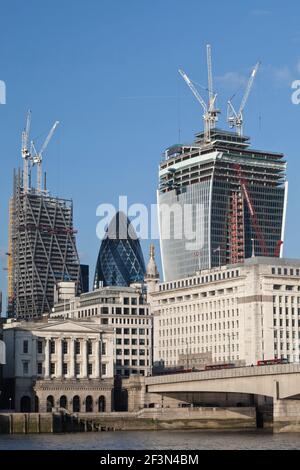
pixel 281 383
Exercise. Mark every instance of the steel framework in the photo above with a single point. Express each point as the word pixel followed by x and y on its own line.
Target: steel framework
pixel 43 249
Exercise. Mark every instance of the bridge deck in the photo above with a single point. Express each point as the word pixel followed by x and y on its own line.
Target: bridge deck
pixel 277 369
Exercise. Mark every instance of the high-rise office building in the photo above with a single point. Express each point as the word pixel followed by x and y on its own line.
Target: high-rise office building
pixel 120 261
pixel 43 250
pixel 227 202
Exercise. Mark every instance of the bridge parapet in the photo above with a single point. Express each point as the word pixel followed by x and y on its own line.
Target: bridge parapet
pixel 235 372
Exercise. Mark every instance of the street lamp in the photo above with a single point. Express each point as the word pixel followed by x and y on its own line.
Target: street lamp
pixel 10 400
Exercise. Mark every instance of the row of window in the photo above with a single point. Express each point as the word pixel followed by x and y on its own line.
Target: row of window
pixel 65 368
pixel 131 352
pixel 65 347
pixel 133 331
pixel 198 280
pixel 200 317
pixel 286 271
pixel 133 341
pixel 288 287
pixel 200 339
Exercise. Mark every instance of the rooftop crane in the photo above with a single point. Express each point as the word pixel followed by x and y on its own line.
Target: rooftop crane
pixel 213 112
pixel 26 155
pixel 38 156
pixel 235 119
pixel 210 112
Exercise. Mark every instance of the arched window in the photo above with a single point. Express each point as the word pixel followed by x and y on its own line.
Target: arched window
pixel 25 404
pixel 50 403
pixel 36 404
pixel 63 402
pixel 76 404
pixel 101 404
pixel 89 404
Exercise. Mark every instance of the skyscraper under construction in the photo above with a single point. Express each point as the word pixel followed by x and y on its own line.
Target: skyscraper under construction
pixel 220 201
pixel 42 242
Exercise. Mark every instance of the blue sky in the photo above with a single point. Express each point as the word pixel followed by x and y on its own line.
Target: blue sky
pixel 107 70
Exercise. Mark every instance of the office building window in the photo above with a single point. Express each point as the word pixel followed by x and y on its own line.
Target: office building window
pixel 25 347
pixel 25 367
pixel 65 347
pixel 77 347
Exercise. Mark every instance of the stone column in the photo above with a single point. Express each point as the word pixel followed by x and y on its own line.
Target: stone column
pixel 72 358
pixel 59 357
pixel 84 359
pixel 97 359
pixel 47 358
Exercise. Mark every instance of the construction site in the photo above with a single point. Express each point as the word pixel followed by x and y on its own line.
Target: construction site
pixel 242 192
pixel 42 245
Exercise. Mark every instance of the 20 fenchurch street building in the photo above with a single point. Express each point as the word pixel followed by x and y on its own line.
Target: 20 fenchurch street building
pixel 219 202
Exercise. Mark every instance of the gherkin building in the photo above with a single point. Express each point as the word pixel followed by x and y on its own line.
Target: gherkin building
pixel 120 261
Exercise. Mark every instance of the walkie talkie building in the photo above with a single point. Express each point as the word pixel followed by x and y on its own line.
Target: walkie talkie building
pixel 219 202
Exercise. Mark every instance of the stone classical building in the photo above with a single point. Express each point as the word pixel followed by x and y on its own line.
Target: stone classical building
pixel 60 364
pixel 124 309
pixel 244 312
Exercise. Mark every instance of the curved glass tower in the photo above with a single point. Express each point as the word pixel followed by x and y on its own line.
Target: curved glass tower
pixel 120 260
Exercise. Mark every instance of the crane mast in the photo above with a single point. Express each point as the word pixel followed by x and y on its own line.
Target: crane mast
pixel 38 157
pixel 210 115
pixel 26 152
pixel 235 119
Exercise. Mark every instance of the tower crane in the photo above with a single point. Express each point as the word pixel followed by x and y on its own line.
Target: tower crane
pixel 26 155
pixel 38 156
pixel 212 111
pixel 210 115
pixel 244 187
pixel 235 119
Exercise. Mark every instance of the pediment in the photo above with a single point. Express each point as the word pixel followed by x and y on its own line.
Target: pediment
pixel 70 326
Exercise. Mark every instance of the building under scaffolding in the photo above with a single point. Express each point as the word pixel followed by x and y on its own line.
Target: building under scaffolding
pixel 43 250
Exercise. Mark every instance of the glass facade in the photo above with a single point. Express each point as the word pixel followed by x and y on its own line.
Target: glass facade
pixel 227 197
pixel 120 260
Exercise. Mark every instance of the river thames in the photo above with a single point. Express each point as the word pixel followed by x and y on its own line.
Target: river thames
pixel 153 440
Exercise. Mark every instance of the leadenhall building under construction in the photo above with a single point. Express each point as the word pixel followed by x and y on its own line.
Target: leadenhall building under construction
pixel 42 246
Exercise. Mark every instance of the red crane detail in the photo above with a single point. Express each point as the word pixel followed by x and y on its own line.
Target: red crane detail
pixel 277 249
pixel 252 212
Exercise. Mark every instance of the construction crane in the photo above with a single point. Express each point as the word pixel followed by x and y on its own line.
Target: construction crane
pixel 235 119
pixel 26 153
pixel 253 216
pixel 38 156
pixel 212 111
pixel 210 115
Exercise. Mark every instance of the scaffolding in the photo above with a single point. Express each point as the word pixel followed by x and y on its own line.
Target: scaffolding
pixel 43 249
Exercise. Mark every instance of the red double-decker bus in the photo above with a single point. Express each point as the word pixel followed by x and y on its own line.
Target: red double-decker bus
pixel 270 362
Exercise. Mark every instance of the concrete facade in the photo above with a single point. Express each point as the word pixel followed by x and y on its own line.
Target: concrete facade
pixel 59 364
pixel 244 312
pixel 126 310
